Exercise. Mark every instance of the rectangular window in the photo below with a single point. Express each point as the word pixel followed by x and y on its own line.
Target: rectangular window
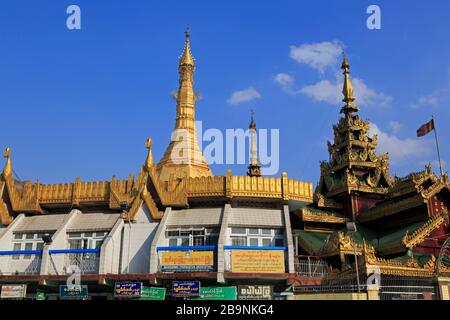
pixel 185 242
pixel 266 242
pixel 212 240
pixel 18 236
pixel 173 242
pixel 239 241
pixel 199 241
pixel 238 230
pixel 253 242
pixel 74 235
pixel 173 233
pixel 28 246
pixel 39 246
pixel 253 231
pixel 29 236
pixel 266 231
pixel 17 247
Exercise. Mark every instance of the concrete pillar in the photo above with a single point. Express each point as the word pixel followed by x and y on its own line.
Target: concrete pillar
pixel 289 239
pixel 157 239
pixel 221 243
pixel 373 292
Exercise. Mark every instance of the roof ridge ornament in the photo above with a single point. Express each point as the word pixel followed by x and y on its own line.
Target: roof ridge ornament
pixel 7 170
pixel 347 89
pixel 149 160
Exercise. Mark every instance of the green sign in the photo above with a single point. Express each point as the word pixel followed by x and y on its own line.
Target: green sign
pixel 217 293
pixel 151 293
pixel 40 296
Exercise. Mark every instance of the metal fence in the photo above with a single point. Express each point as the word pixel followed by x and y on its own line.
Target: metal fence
pixel 310 266
pixel 408 288
pixel 87 262
pixel 20 264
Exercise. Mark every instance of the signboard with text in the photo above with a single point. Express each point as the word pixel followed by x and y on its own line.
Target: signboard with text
pixel 255 292
pixel 73 292
pixel 15 291
pixel 187 261
pixel 152 293
pixel 127 289
pixel 185 288
pixel 217 293
pixel 261 261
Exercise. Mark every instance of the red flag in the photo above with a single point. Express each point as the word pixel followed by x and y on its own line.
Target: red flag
pixel 426 128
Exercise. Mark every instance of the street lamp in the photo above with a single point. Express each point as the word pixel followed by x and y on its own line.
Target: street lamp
pixel 351 229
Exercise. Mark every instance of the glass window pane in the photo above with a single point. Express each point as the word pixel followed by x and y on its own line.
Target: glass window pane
pixel 238 230
pixel 29 236
pixel 199 241
pixel 173 233
pixel 39 246
pixel 74 235
pixel 279 232
pixel 266 242
pixel 88 234
pixel 266 231
pixel 18 236
pixel 185 232
pixel 253 242
pixel 253 231
pixel 28 246
pixel 198 232
pixel 173 242
pixel 185 242
pixel 17 246
pixel 239 241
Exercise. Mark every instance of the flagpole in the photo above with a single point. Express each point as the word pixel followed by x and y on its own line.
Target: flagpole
pixel 437 145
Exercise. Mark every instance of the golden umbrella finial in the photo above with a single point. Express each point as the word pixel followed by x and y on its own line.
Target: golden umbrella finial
pixel 187 58
pixel 347 89
pixel 149 160
pixel 7 170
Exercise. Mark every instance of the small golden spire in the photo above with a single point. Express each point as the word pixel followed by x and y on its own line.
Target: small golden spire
pixel 187 58
pixel 7 170
pixel 149 160
pixel 347 89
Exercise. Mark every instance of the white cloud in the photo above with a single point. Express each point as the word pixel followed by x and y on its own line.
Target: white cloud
pixel 317 55
pixel 394 126
pixel 284 79
pixel 400 149
pixel 242 96
pixel 326 91
pixel 431 100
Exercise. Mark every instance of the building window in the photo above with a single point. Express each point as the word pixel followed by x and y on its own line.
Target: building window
pixel 27 241
pixel 86 240
pixel 238 241
pixel 192 236
pixel 257 237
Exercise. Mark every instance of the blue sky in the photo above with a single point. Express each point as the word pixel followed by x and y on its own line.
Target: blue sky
pixel 82 102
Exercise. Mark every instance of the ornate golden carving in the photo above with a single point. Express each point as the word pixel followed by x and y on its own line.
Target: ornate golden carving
pixel 410 241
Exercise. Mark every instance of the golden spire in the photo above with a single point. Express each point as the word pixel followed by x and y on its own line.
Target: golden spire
pixel 149 160
pixel 347 89
pixel 187 58
pixel 7 170
pixel 183 157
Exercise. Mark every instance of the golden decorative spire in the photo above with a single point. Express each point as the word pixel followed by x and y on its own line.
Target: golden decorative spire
pixel 183 157
pixel 347 89
pixel 7 170
pixel 254 169
pixel 149 160
pixel 187 58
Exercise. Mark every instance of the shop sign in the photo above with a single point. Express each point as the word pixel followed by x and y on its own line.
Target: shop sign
pixel 128 289
pixel 15 291
pixel 257 261
pixel 187 261
pixel 255 292
pixel 185 288
pixel 73 292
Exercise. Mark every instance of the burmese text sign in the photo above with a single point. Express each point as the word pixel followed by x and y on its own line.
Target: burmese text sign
pixel 73 292
pixel 185 288
pixel 191 261
pixel 217 293
pixel 263 261
pixel 15 291
pixel 128 289
pixel 152 293
pixel 255 292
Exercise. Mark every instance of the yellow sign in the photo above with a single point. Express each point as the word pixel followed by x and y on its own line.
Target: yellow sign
pixel 263 261
pixel 187 260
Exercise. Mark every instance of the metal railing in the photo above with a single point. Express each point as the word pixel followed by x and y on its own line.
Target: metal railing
pixel 310 266
pixel 87 260
pixel 24 262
